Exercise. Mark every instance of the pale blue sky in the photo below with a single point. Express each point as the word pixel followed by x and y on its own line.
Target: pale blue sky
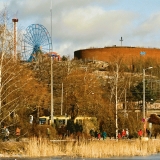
pixel 80 24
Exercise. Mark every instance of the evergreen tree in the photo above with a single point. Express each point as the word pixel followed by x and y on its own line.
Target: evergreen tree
pixel 137 92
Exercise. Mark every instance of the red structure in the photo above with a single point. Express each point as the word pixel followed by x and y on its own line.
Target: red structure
pixel 129 54
pixel 55 55
pixel 15 20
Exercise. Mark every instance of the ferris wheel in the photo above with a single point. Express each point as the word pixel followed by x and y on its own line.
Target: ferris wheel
pixel 36 41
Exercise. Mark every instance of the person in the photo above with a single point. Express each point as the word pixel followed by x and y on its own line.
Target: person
pixel 127 133
pixel 148 132
pixel 99 136
pixel 96 134
pixel 6 134
pixel 123 133
pixel 119 136
pixel 92 133
pixel 104 135
pixel 155 135
pixel 140 133
pixel 48 133
pixel 18 132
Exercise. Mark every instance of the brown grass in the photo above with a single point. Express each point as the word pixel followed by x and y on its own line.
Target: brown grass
pixel 91 149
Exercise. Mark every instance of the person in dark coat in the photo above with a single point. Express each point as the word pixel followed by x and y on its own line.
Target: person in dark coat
pixel 104 135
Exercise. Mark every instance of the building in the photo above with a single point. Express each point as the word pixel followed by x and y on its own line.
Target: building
pixel 129 54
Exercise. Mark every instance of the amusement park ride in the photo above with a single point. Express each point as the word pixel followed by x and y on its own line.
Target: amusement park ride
pixel 37 41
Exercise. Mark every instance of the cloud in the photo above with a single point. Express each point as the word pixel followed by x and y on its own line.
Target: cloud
pixel 150 25
pixel 146 32
pixel 78 24
pixel 90 23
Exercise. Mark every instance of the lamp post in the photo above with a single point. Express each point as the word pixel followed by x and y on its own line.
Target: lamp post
pixel 116 83
pixel 144 117
pixel 62 100
pixel 52 110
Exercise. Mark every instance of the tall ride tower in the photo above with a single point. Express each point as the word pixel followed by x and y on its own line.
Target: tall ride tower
pixel 15 20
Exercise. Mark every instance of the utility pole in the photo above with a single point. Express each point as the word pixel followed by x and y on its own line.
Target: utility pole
pixel 62 101
pixel 52 119
pixel 125 103
pixel 116 83
pixel 52 106
pixel 143 94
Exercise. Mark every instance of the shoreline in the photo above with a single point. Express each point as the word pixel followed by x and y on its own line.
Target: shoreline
pixel 33 148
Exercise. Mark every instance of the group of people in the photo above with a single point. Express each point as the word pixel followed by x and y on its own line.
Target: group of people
pixel 98 134
pixel 123 134
pixel 6 133
pixel 141 133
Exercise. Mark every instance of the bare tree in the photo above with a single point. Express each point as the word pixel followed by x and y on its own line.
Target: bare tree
pixel 19 89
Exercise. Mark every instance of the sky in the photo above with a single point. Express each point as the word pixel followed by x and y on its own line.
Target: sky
pixel 82 24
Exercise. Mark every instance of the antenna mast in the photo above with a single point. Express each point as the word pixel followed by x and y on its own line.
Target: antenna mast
pixel 121 41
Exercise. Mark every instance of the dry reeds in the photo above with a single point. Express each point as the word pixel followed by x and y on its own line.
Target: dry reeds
pixel 95 149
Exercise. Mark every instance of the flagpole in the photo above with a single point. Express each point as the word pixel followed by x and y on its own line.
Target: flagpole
pixel 52 106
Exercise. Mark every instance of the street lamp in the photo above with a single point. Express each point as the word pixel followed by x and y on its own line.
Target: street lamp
pixel 144 91
pixel 116 83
